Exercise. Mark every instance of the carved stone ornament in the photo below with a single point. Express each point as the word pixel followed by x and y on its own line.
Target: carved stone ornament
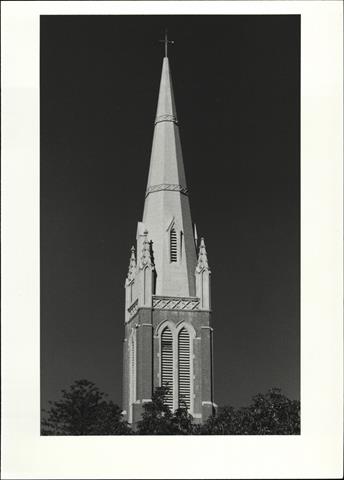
pixel 202 262
pixel 132 266
pixel 175 303
pixel 166 118
pixel 167 186
pixel 146 257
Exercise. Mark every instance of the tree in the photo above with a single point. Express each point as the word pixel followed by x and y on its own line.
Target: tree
pixel 271 413
pixel 83 410
pixel 157 418
pixel 223 423
pixel 182 422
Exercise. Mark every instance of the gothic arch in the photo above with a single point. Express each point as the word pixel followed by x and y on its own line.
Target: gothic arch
pixel 184 367
pixel 173 223
pixel 167 362
pixel 164 324
pixel 185 364
pixel 175 241
pixel 176 347
pixel 188 326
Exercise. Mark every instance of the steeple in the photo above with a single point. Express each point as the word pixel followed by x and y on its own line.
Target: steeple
pixel 167 214
pixel 166 164
pixel 168 334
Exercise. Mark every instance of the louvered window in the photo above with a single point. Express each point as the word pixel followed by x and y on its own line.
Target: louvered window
pixel 167 364
pixel 181 245
pixel 132 368
pixel 184 368
pixel 173 245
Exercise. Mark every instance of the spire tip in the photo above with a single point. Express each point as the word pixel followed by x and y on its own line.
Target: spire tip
pixel 166 41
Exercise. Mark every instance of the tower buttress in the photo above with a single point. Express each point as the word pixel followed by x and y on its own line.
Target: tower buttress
pixel 130 289
pixel 145 274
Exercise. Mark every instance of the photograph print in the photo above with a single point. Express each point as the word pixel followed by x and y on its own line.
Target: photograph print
pixel 170 224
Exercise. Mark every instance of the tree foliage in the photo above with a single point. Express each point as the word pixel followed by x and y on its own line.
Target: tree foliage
pixel 271 413
pixel 83 410
pixel 157 418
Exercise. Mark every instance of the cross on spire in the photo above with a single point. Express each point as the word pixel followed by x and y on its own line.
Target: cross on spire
pixel 166 41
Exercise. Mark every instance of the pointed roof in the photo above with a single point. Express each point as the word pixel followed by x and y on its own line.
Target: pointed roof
pixel 166 165
pixel 166 110
pixel 202 262
pixel 132 265
pixel 167 199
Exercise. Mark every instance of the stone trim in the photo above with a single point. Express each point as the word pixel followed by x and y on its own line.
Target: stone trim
pixel 170 187
pixel 166 118
pixel 175 303
pixel 133 308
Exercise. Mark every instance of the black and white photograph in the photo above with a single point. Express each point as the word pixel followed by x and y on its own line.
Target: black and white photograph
pixel 170 224
pixel 171 239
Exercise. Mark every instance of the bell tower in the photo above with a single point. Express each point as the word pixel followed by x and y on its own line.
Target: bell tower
pixel 168 334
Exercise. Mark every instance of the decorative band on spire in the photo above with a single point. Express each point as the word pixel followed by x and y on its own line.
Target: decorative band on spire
pixel 167 186
pixel 166 118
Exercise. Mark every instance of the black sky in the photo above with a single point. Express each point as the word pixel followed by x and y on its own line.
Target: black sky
pixel 237 83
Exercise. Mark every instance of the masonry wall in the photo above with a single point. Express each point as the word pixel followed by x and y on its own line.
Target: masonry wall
pixel 147 323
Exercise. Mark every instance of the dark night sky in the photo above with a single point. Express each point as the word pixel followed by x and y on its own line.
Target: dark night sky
pixel 236 83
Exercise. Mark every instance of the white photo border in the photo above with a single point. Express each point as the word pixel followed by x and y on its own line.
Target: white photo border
pixel 317 452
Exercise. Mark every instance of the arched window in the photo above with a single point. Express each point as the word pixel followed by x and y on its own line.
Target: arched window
pixel 184 380
pixel 167 364
pixel 173 245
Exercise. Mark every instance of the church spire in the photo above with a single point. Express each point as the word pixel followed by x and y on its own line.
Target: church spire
pixel 166 111
pixel 167 215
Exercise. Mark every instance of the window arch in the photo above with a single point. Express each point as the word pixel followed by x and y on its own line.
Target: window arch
pixel 167 364
pixel 176 362
pixel 184 377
